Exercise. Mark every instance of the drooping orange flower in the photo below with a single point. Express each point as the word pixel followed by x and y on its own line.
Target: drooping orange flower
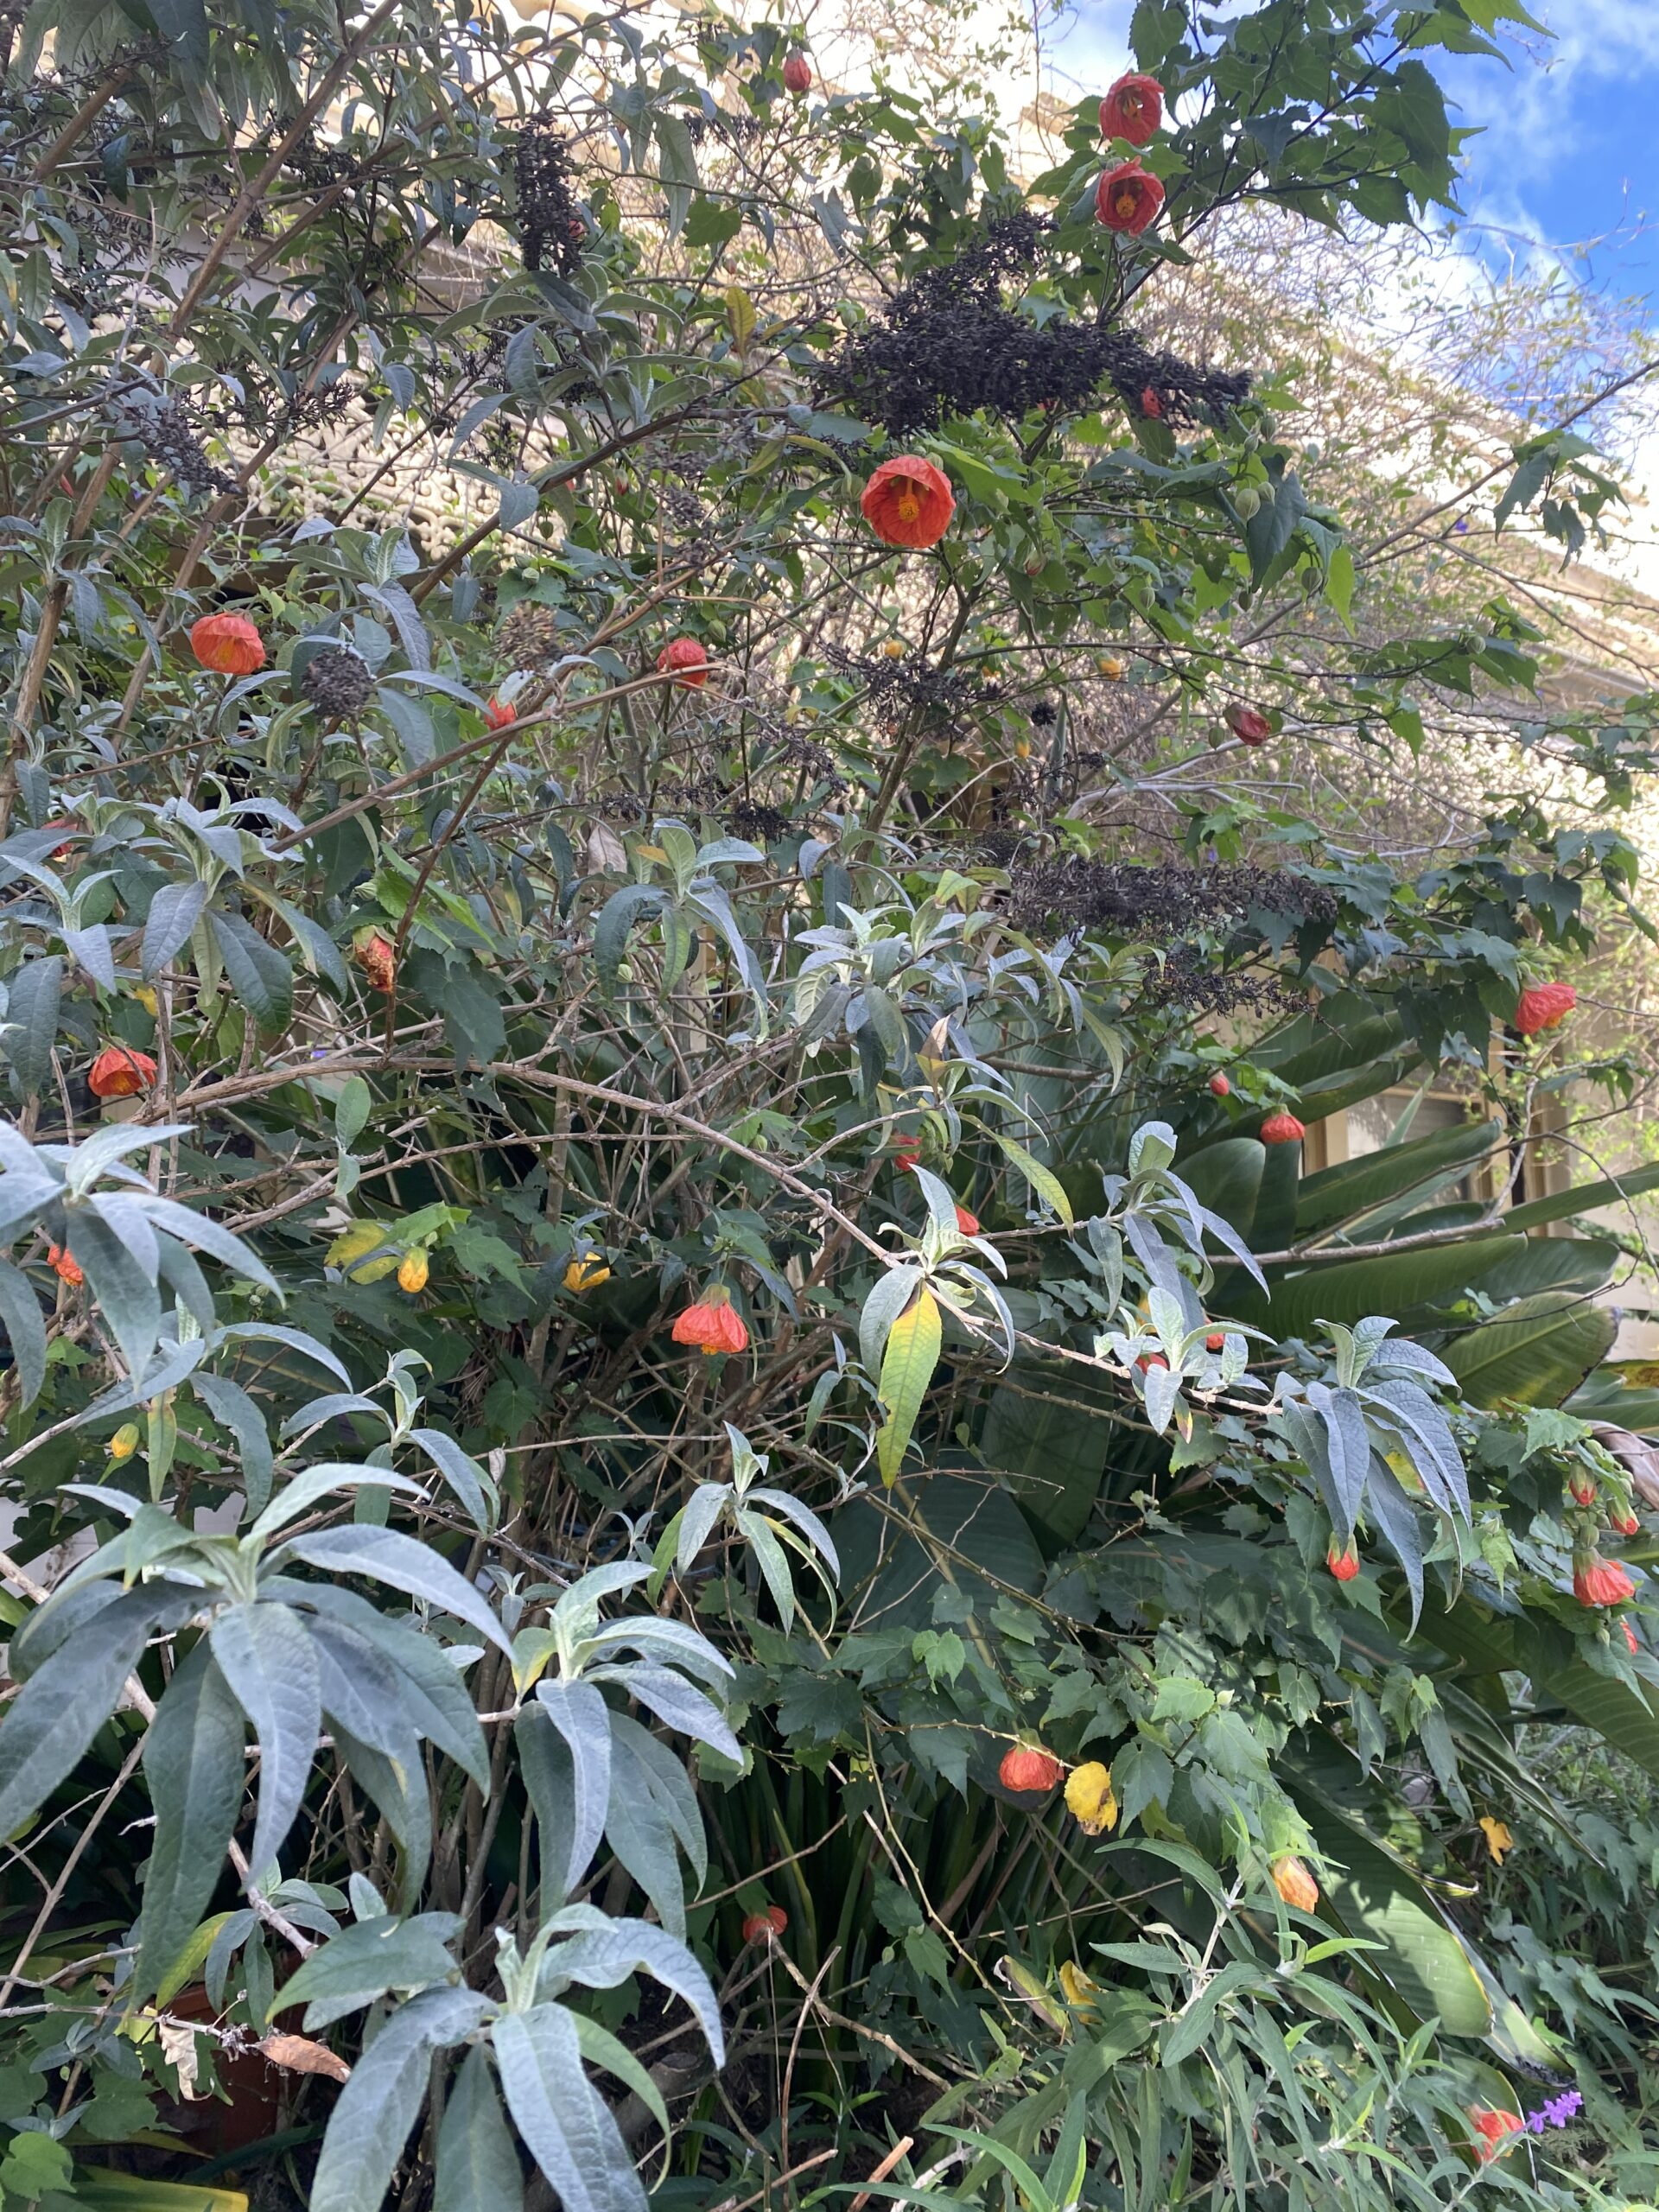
pixel 1294 1882
pixel 1214 1341
pixel 65 1266
pixel 798 74
pixel 1343 1560
pixel 119 1071
pixel 1282 1128
pixel 909 502
pixel 1248 725
pixel 1132 109
pixel 766 1926
pixel 713 1324
pixel 1625 1523
pixel 1128 198
pixel 376 956
pixel 1631 1643
pixel 685 659
pixel 498 714
pixel 1150 405
pixel 1026 1768
pixel 228 644
pixel 413 1273
pixel 1220 1086
pixel 1597 1581
pixel 966 1223
pixel 1494 2128
pixel 1544 1005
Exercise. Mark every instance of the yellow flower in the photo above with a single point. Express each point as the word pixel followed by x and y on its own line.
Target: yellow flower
pixel 147 999
pixel 412 1274
pixel 1080 1991
pixel 1022 748
pixel 125 1442
pixel 1089 1797
pixel 1498 1839
pixel 1294 1882
pixel 1110 667
pixel 892 650
pixel 586 1273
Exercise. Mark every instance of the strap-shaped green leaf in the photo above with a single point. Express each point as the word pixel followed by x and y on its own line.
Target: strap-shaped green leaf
pixel 907 1364
pixel 194 1766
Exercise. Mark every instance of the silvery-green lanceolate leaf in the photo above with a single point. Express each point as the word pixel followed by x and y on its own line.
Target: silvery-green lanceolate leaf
pixel 268 1661
pixel 385 1556
pixel 477 2168
pixel 194 1766
pixel 363 1962
pixel 560 2115
pixel 582 1719
pixel 377 2106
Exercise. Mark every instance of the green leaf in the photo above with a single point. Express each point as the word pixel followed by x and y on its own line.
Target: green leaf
pixel 33 996
pixel 1354 1187
pixel 385 1556
pixel 613 923
pixel 352 1111
pixel 1038 1432
pixel 1537 1354
pixel 562 2118
pixel 1045 1184
pixel 63 1705
pixel 477 2168
pixel 20 1316
pixel 268 1659
pixel 173 913
pixel 259 974
pixel 383 2099
pixel 193 1765
pixel 907 1364
pixel 1387 1283
pixel 1585 1198
pixel 364 1962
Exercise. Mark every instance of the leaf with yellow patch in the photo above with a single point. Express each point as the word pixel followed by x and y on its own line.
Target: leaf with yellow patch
pixel 907 1364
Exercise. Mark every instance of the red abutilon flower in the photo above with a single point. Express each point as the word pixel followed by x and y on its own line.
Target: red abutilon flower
pixel 1294 1882
pixel 685 660
pixel 1581 1487
pixel 908 502
pixel 1024 1768
pixel 498 715
pixel 1214 1341
pixel 377 958
pixel 905 1154
pixel 1151 406
pixel 1631 1643
pixel 1494 2128
pixel 60 822
pixel 120 1073
pixel 1128 198
pixel 1220 1087
pixel 64 1266
pixel 765 1926
pixel 1151 1359
pixel 1626 1523
pixel 228 644
pixel 798 74
pixel 966 1223
pixel 1343 1560
pixel 1597 1581
pixel 713 1324
pixel 1281 1128
pixel 1248 725
pixel 1132 110
pixel 1544 1005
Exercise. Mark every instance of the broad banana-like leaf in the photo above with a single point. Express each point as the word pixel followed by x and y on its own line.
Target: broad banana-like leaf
pixel 1586 1198
pixel 1536 1355
pixel 1355 1187
pixel 1347 1290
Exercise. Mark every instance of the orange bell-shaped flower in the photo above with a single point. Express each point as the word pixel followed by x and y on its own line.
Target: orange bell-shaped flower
pixel 909 502
pixel 228 644
pixel 120 1073
pixel 713 1324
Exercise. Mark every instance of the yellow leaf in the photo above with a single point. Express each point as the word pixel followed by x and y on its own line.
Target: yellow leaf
pixel 1498 1839
pixel 907 1365
pixel 740 316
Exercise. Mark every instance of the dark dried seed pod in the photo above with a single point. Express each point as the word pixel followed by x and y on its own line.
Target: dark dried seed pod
pixel 528 636
pixel 338 682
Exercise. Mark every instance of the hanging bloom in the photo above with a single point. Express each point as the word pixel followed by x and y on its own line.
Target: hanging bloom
pixel 1631 1643
pixel 1556 2112
pixel 1026 1768
pixel 1080 1989
pixel 1148 1360
pixel 1294 1882
pixel 1544 1005
pixel 798 74
pixel 498 714
pixel 1248 725
pixel 1111 667
pixel 713 1324
pixel 908 502
pixel 125 1442
pixel 1343 1560
pixel 1132 110
pixel 907 1151
pixel 120 1073
pixel 587 1272
pixel 1090 1798
pixel 375 956
pixel 1281 1128
pixel 1498 1839
pixel 1581 1487
pixel 413 1273
pixel 1625 1523
pixel 1494 2128
pixel 228 644
pixel 966 1223
pixel 765 1926
pixel 1597 1581
pixel 1128 198
pixel 1220 1086
pixel 685 660
pixel 1214 1341
pixel 65 1266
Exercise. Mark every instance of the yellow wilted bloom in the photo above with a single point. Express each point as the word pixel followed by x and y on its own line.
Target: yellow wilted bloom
pixel 1294 1882
pixel 892 650
pixel 586 1273
pixel 125 1442
pixel 412 1274
pixel 1498 1839
pixel 1080 1991
pixel 1089 1797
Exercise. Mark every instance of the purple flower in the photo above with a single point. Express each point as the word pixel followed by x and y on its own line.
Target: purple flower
pixel 1556 2112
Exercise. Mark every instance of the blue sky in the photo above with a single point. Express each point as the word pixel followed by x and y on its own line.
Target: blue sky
pixel 1570 146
